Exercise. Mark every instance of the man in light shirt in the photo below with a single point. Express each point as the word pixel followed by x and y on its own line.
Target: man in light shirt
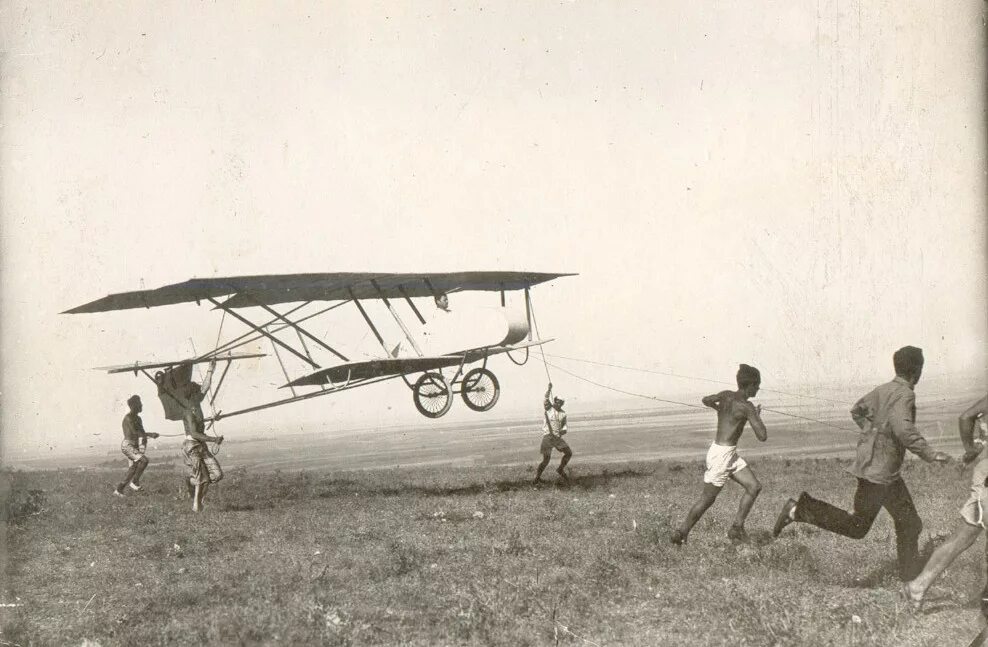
pixel 887 419
pixel 553 428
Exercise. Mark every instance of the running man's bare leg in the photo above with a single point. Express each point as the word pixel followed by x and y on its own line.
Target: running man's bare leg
pixel 960 540
pixel 707 498
pixel 984 592
pixel 567 454
pixel 140 466
pixel 542 465
pixel 746 479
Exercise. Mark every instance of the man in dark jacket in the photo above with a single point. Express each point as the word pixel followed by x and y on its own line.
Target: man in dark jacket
pixel 887 417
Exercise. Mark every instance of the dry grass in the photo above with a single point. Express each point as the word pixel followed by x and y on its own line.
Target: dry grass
pixel 440 556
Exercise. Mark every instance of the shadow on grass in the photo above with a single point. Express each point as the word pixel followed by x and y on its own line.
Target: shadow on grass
pixel 343 487
pixel 887 572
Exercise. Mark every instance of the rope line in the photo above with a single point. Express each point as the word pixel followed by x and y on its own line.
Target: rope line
pixel 821 422
pixel 531 308
pixel 686 404
pixel 613 388
pixel 693 377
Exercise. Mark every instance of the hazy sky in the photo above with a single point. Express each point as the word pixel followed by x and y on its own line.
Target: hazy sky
pixel 793 185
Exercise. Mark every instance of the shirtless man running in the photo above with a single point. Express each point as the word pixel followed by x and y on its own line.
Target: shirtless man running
pixel 134 446
pixel 723 463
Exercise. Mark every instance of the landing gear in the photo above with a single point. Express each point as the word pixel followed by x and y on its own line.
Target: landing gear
pixel 480 390
pixel 433 395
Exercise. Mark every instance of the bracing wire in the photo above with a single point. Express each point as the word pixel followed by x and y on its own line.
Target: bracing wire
pixel 686 404
pixel 219 333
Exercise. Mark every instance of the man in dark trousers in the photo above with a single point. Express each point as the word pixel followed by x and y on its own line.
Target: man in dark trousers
pixel 887 417
pixel 134 446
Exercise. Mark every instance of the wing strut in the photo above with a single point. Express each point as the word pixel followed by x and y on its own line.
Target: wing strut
pixel 528 312
pixel 411 305
pixel 274 339
pixel 401 324
pixel 283 369
pixel 237 343
pixel 216 390
pixel 301 331
pixel 233 343
pixel 370 323
pixel 299 398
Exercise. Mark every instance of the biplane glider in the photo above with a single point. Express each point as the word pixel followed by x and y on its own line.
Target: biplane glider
pixel 440 376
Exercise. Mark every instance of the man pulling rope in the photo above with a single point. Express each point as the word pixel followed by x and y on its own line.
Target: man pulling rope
pixel 553 428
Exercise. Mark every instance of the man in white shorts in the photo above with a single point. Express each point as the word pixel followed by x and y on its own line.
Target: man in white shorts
pixel 723 463
pixel 134 446
pixel 972 513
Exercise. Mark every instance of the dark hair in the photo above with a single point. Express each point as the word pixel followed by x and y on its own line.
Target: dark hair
pixel 748 376
pixel 908 361
pixel 133 400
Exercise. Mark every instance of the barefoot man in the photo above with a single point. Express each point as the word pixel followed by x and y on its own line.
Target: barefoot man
pixel 887 417
pixel 202 464
pixel 554 428
pixel 134 445
pixel 723 463
pixel 972 513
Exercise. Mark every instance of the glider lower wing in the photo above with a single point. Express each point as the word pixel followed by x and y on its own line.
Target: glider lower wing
pixel 355 371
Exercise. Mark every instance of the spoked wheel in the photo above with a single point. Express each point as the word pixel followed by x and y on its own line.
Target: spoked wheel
pixel 480 389
pixel 432 395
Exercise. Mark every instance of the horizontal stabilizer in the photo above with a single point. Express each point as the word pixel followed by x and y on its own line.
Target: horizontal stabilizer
pixel 138 366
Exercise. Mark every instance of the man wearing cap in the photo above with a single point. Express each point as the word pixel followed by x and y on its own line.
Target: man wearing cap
pixel 553 428
pixel 886 417
pixel 134 445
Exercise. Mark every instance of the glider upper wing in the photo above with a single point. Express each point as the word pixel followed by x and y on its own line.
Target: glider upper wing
pixel 248 291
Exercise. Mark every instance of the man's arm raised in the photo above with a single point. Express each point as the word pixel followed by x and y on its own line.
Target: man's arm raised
pixel 755 420
pixel 207 381
pixel 713 401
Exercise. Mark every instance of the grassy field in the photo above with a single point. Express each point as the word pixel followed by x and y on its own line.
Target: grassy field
pixel 453 555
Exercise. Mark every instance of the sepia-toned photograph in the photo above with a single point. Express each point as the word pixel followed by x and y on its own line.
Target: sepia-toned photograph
pixel 454 323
